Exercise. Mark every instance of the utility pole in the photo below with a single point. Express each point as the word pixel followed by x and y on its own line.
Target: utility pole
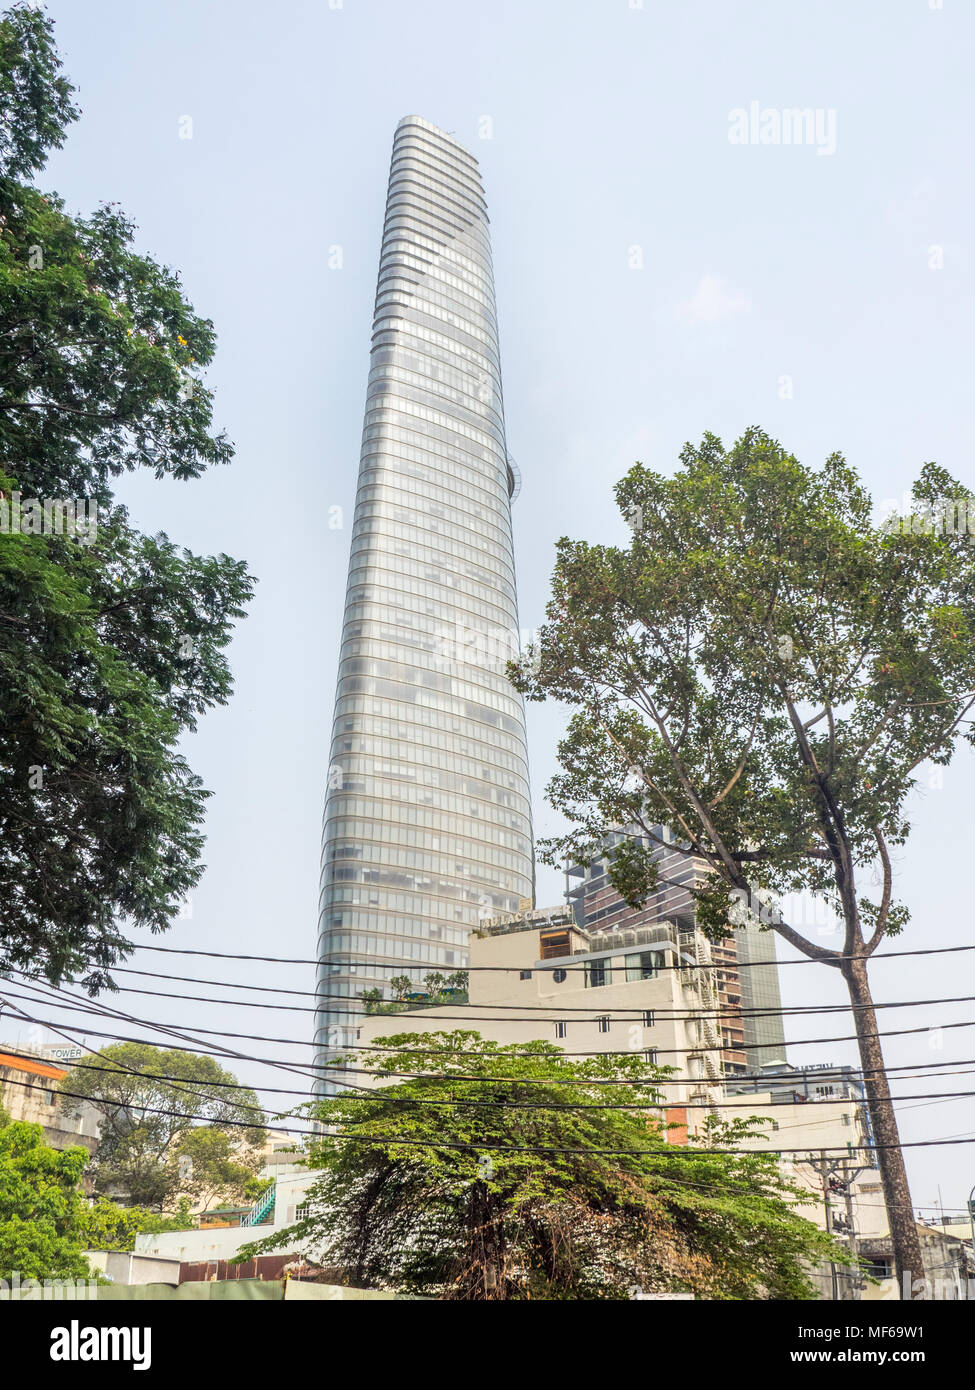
pixel 854 1277
pixel 821 1167
pixel 835 1175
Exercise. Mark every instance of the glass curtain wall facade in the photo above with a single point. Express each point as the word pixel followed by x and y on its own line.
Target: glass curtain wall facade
pixel 427 816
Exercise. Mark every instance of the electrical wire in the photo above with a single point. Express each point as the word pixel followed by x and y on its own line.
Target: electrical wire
pixel 662 1052
pixel 508 969
pixel 288 1129
pixel 673 1151
pixel 669 1015
pixel 99 1009
pixel 345 1070
pixel 727 1102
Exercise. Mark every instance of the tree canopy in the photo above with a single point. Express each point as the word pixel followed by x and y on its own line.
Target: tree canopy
pixel 763 670
pixel 42 1208
pixel 172 1122
pixel 501 1172
pixel 107 1226
pixel 112 643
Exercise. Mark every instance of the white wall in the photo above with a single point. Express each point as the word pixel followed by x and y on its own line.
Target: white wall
pixel 221 1242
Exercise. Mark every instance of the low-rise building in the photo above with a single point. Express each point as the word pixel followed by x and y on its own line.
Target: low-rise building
pixel 215 1244
pixel 747 977
pixel 949 1268
pixel 29 1093
pixel 649 991
pixel 825 1151
pixel 818 1114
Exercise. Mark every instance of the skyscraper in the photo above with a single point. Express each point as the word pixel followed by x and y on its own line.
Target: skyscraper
pixel 427 814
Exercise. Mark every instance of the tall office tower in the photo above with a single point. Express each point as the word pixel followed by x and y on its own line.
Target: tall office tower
pixel 427 815
pixel 761 998
pixel 747 976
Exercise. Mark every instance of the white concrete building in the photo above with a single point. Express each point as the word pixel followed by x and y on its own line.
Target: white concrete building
pixel 214 1243
pixel 649 991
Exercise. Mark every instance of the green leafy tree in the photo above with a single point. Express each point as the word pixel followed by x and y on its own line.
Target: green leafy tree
pixel 111 642
pixel 42 1207
pixel 401 986
pixel 763 670
pixel 35 97
pixel 219 1166
pixel 490 1180
pixel 107 1226
pixel 152 1101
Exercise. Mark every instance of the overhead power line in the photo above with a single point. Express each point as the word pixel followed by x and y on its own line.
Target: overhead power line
pixel 477 1146
pixel 723 1188
pixel 730 1101
pixel 309 1070
pixel 288 1129
pixel 554 965
pixel 99 1009
pixel 593 1015
pixel 671 1015
pixel 344 1069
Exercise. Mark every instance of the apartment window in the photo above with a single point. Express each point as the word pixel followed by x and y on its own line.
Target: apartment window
pixel 598 974
pixel 525 975
pixel 603 1024
pixel 648 1019
pixel 558 977
pixel 643 965
pixel 560 1030
pixel 301 1212
pixel 651 1055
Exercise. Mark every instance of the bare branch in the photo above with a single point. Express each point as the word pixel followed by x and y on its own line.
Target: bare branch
pixel 884 909
pixel 738 771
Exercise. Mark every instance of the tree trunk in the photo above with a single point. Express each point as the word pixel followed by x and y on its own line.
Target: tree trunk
pixel 484 1276
pixel 893 1173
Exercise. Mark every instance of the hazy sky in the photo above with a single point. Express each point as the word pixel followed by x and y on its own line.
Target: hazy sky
pixel 654 280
